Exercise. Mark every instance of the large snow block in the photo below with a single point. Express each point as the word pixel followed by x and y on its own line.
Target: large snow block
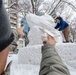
pixel 67 51
pixel 32 54
pixel 24 69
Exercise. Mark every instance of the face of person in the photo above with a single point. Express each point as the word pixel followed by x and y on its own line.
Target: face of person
pixel 57 21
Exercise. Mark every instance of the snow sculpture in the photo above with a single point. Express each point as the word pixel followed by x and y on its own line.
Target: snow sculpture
pixel 44 21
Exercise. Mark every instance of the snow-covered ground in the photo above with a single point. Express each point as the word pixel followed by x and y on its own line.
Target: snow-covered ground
pixel 27 61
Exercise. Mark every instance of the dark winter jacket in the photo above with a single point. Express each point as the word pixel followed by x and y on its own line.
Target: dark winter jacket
pixel 62 25
pixel 51 63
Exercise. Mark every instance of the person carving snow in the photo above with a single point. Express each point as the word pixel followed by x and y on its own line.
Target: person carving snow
pixel 64 27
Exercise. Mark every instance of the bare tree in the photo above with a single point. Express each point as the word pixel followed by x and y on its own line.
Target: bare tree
pixel 35 5
pixel 52 11
pixel 55 6
pixel 24 7
pixel 70 4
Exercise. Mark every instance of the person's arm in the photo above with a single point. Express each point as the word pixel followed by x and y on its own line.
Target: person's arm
pixel 51 63
pixel 20 30
pixel 3 59
pixel 61 28
pixel 57 26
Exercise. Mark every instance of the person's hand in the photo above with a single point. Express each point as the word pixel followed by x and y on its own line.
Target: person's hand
pixel 50 40
pixel 20 30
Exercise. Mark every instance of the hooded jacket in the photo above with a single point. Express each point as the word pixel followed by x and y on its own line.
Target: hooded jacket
pixel 62 25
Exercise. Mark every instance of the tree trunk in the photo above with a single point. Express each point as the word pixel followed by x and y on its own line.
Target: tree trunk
pixel 32 2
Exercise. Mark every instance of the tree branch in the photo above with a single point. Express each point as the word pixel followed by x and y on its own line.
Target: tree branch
pixel 72 6
pixel 55 7
pixel 11 5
